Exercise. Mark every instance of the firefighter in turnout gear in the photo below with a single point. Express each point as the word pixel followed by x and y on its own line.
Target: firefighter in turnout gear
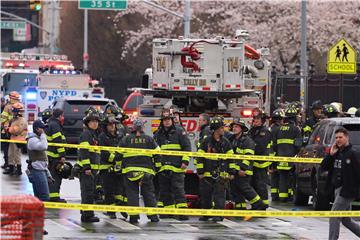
pixel 214 174
pixel 262 138
pixel 89 160
pixel 241 188
pixel 110 165
pixel 6 116
pixel 56 155
pixel 120 116
pixel 277 119
pixel 139 169
pixel 172 172
pixel 287 143
pixel 18 131
pixel 316 109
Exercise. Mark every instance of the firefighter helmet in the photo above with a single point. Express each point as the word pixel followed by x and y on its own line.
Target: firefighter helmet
pixel 92 114
pixel 239 122
pixel 46 114
pixel 337 105
pixel 291 112
pixel 17 107
pixel 109 119
pixel 330 110
pixel 351 111
pixel 216 123
pixel 259 113
pixel 278 113
pixel 14 95
pixel 64 170
pixel 138 124
pixel 111 109
pixel 357 113
pixel 316 105
pixel 166 113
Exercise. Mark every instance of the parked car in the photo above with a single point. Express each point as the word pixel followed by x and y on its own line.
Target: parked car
pixel 310 180
pixel 74 108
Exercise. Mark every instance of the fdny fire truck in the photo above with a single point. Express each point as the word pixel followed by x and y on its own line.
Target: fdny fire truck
pixel 216 76
pixel 42 78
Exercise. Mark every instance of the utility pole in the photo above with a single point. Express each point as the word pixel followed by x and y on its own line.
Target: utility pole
pixel 303 59
pixel 86 54
pixel 52 36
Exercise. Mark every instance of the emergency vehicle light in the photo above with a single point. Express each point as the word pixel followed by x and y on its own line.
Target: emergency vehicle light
pixel 31 95
pixel 246 113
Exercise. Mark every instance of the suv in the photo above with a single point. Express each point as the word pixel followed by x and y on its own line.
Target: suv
pixel 74 110
pixel 310 180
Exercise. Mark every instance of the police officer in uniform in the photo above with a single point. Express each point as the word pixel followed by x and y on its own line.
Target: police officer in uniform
pixel 172 172
pixel 277 119
pixel 214 174
pixel 262 138
pixel 6 116
pixel 287 143
pixel 110 165
pixel 89 160
pixel 241 188
pixel 56 155
pixel 139 169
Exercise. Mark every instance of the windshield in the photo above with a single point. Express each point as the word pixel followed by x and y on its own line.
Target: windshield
pixel 354 133
pixel 16 81
pixel 80 106
pixel 134 101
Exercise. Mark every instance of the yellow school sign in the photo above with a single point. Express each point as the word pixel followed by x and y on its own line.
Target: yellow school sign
pixel 341 58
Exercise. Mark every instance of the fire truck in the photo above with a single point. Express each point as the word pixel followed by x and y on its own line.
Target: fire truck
pixel 42 78
pixel 216 76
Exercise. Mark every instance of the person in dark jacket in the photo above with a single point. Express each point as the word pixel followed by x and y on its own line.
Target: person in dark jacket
pixel 89 161
pixel 262 138
pixel 240 186
pixel 110 165
pixel 56 155
pixel 139 169
pixel 214 174
pixel 315 117
pixel 343 164
pixel 172 172
pixel 204 120
pixel 287 143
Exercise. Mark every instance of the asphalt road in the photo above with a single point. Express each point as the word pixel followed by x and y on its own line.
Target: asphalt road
pixel 66 224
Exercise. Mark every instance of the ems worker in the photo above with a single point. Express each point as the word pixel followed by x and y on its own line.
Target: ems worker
pixel 172 172
pixel 56 155
pixel 214 174
pixel 89 160
pixel 18 131
pixel 110 165
pixel 139 169
pixel 287 143
pixel 6 116
pixel 262 138
pixel 242 144
pixel 277 119
pixel 315 117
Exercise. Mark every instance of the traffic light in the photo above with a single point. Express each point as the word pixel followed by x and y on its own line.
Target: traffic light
pixel 35 5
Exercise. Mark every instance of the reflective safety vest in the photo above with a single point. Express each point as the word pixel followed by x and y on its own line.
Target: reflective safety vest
pixel 89 159
pixel 54 134
pixel 243 145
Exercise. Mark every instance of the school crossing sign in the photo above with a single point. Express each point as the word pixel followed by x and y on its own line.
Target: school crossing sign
pixel 341 58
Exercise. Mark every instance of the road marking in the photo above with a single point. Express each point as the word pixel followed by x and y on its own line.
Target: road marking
pixel 169 220
pixel 73 223
pixel 185 227
pixel 52 222
pixel 234 225
pixel 122 224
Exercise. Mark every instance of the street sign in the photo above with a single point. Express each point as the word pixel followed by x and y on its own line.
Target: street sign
pixel 103 4
pixel 22 34
pixel 12 25
pixel 341 58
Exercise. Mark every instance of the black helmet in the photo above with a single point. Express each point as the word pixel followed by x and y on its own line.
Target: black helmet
pixel 64 170
pixel 239 122
pixel 278 114
pixel 90 109
pixel 216 123
pixel 316 105
pixel 92 115
pixel 138 124
pixel 111 109
pixel 357 113
pixel 46 114
pixel 330 110
pixel 291 112
pixel 109 119
pixel 166 113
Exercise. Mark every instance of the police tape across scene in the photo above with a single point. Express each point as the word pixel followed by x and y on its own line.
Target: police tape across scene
pixel 211 156
pixel 199 212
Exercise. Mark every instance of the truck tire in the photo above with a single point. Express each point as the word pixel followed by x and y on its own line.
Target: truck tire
pixel 300 199
pixel 320 201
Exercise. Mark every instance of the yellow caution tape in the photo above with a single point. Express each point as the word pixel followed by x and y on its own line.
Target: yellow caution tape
pixel 211 156
pixel 199 212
